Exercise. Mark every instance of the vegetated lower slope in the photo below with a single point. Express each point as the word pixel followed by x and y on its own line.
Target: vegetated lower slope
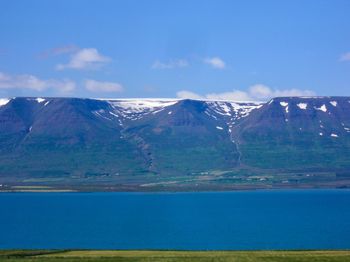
pixel 151 143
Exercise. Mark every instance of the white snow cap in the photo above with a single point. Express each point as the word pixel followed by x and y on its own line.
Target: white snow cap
pixel 138 105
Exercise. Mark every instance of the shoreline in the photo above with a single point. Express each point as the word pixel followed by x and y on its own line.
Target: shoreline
pixel 174 256
pixel 171 191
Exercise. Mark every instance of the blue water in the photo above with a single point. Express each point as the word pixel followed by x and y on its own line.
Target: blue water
pixel 310 219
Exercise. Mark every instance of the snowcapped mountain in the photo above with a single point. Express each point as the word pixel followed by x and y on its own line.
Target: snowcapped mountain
pixel 134 141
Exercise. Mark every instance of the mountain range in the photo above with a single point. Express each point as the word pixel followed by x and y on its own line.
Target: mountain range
pixel 172 144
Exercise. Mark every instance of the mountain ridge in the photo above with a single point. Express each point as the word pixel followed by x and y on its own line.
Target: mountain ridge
pixel 176 143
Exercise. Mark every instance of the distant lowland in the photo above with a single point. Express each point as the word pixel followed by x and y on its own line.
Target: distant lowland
pixel 79 144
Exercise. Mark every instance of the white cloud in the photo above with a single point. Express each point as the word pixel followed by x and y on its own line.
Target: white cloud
pixel 176 63
pixel 263 92
pixel 236 95
pixel 260 91
pixel 27 81
pixel 22 81
pixel 257 92
pixel 96 86
pixel 87 58
pixel 188 95
pixel 345 57
pixel 215 62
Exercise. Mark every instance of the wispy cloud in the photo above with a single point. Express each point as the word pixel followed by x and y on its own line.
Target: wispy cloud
pixel 345 57
pixel 28 81
pixel 175 63
pixel 87 58
pixel 96 86
pixel 256 92
pixel 61 50
pixel 215 62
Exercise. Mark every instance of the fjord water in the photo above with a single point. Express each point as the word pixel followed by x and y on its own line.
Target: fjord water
pixel 293 219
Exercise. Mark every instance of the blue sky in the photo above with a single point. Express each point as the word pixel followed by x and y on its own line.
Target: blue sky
pixel 240 50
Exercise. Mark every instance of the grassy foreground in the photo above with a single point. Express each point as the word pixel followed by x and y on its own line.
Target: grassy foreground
pixel 174 256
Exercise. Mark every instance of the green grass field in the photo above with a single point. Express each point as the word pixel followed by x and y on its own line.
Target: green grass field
pixel 174 256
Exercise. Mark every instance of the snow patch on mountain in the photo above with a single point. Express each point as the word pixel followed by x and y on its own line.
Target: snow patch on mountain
pixel 333 103
pixel 40 100
pixel 322 108
pixel 101 113
pixel 302 106
pixel 230 111
pixel 4 101
pixel 285 105
pixel 233 109
pixel 113 114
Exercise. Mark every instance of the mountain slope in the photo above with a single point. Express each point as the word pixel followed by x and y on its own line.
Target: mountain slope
pixel 68 137
pixel 162 143
pixel 184 139
pixel 297 133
